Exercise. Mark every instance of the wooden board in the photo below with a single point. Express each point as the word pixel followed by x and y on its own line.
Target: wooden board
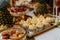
pixel 42 31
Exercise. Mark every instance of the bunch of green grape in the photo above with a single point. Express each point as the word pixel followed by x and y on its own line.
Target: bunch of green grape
pixel 5 18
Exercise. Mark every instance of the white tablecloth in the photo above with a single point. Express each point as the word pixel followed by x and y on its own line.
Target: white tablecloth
pixel 53 34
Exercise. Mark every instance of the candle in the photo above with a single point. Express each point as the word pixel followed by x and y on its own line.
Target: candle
pixel 53 7
pixel 56 11
pixel 59 14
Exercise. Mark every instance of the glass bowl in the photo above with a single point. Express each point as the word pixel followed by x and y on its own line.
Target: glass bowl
pixel 15 11
pixel 14 33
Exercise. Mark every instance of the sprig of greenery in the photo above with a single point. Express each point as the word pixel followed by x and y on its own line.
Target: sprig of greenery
pixel 42 9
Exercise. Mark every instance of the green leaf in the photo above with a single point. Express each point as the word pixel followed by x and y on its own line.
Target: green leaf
pixel 42 9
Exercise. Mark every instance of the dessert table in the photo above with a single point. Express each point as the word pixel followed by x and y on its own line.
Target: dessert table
pixel 53 34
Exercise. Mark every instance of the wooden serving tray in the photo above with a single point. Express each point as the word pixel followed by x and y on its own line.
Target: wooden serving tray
pixel 42 31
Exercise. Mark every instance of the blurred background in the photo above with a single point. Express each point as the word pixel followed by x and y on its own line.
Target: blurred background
pixel 5 3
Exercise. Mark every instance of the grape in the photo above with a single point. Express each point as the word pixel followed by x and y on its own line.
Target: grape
pixel 5 18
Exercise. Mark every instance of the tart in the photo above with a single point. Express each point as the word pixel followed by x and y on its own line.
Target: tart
pixel 18 11
pixel 33 5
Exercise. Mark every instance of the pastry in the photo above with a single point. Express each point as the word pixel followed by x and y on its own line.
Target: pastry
pixel 33 5
pixel 36 22
pixel 13 34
